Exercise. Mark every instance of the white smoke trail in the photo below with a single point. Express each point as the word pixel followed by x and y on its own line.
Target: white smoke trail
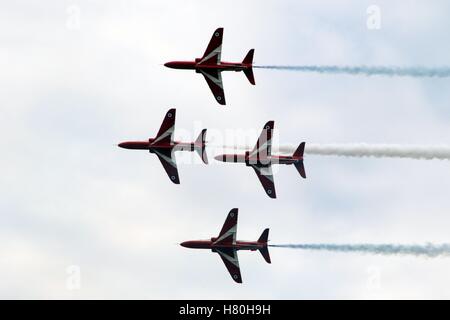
pixel 438 72
pixel 441 152
pixel 428 250
pixel 379 151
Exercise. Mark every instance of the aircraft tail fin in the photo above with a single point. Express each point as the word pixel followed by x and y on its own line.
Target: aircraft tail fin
pixel 299 165
pixel 200 146
pixel 265 253
pixel 301 168
pixel 249 72
pixel 300 150
pixel 249 57
pixel 264 238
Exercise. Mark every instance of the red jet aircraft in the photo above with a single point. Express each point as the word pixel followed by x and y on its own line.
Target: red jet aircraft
pixel 261 159
pixel 227 246
pixel 211 66
pixel 164 146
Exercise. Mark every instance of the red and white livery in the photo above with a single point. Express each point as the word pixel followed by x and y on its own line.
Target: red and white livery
pixel 226 245
pixel 261 159
pixel 211 66
pixel 164 146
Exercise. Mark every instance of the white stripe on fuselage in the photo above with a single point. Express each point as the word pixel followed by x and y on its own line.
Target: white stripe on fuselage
pixel 182 146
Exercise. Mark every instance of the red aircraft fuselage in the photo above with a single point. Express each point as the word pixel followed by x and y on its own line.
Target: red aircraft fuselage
pixel 244 158
pixel 149 145
pixel 209 244
pixel 194 65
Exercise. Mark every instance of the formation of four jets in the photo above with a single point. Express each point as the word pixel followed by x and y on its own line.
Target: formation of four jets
pixel 260 158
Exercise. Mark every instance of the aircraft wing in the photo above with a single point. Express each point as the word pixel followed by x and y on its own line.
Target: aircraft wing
pixel 167 128
pixel 263 147
pixel 167 158
pixel 230 259
pixel 214 80
pixel 228 233
pixel 265 176
pixel 214 50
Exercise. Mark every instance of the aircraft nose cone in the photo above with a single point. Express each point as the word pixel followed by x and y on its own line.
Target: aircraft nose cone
pixel 168 64
pixel 219 157
pixel 184 244
pixel 121 145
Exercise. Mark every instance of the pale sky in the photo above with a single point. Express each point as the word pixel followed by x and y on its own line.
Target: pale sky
pixel 77 77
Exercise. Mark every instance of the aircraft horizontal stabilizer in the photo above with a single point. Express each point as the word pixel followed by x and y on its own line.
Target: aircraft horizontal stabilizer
pixel 200 146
